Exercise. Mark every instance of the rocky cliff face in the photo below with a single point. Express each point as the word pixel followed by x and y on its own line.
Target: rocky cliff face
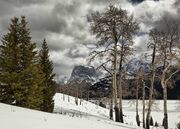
pixel 81 73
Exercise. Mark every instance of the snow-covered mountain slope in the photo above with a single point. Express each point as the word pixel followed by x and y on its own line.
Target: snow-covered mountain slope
pixel 12 117
pixel 66 104
pixel 68 115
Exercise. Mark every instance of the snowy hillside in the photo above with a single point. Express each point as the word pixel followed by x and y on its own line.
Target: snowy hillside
pixel 13 117
pixel 68 115
pixel 84 109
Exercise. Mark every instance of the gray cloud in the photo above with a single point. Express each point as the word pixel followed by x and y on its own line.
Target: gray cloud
pixel 67 9
pixel 80 51
pixel 63 24
pixel 167 18
pixel 20 3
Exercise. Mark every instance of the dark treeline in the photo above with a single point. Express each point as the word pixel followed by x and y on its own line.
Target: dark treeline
pixel 103 89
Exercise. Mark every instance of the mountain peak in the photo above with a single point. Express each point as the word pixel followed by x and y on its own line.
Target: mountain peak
pixel 80 73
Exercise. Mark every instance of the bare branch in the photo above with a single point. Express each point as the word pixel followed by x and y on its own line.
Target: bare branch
pixel 172 75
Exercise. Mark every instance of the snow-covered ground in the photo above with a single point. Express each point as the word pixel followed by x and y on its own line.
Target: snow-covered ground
pixel 85 109
pixel 71 116
pixel 12 117
pixel 157 112
pixel 90 110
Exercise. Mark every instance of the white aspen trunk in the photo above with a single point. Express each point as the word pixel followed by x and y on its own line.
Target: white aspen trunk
pixel 150 99
pixel 120 99
pixel 115 84
pixel 144 93
pixel 137 115
pixel 111 99
pixel 164 86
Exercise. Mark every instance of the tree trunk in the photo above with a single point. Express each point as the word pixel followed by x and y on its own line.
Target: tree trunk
pixel 120 85
pixel 68 99
pixel 112 96
pixel 150 100
pixel 68 95
pixel 88 96
pixel 144 93
pixel 77 94
pixel 117 113
pixel 120 99
pixel 63 97
pixel 165 120
pixel 81 97
pixel 115 84
pixel 137 115
pixel 111 109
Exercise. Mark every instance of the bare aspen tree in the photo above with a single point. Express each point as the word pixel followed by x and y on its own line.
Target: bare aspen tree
pixel 137 96
pixel 154 39
pixel 169 56
pixel 114 29
pixel 143 99
pixel 128 30
pixel 140 78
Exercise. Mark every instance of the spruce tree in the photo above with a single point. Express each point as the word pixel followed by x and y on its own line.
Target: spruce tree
pixel 31 77
pixel 49 84
pixel 9 62
pixel 21 77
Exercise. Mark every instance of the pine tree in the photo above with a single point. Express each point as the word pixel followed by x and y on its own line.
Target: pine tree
pixel 9 62
pixel 49 84
pixel 21 77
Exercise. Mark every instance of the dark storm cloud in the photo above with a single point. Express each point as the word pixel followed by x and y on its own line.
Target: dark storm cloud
pixel 9 6
pixel 177 5
pixel 49 22
pixel 20 3
pixel 5 8
pixel 63 24
pixel 67 9
pixel 136 1
pixel 167 18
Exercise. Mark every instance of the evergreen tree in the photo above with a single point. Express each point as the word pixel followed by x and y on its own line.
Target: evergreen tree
pixel 21 77
pixel 31 77
pixel 49 84
pixel 9 62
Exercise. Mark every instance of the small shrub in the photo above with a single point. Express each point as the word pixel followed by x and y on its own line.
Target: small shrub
pixel 102 105
pixel 151 121
pixel 156 124
pixel 178 126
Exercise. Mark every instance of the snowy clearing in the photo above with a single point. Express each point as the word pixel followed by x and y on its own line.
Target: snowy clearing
pixel 93 111
pixel 12 117
pixel 70 116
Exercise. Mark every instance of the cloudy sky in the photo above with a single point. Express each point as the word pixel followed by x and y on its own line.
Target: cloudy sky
pixel 63 23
